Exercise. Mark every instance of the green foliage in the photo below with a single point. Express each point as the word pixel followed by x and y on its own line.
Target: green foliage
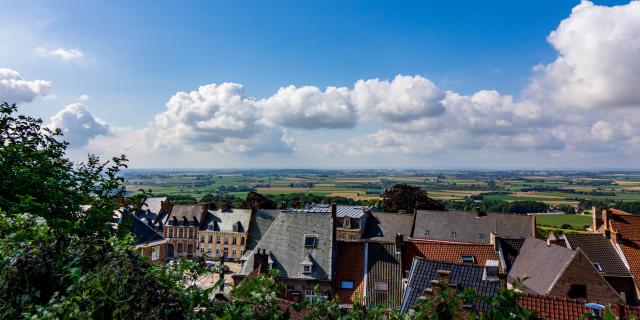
pixel 257 200
pixel 37 178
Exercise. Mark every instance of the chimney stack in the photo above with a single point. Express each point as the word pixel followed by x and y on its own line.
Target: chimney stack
pixel 606 214
pixel 597 219
pixel 334 210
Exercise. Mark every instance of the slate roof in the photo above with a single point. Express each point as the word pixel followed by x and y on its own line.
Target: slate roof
pixel 151 211
pixel 510 250
pixel 383 226
pixel 341 210
pixel 189 211
pixel 142 233
pixel 449 252
pixel 541 263
pixel 384 265
pixel 424 271
pixel 599 250
pixel 260 222
pixel 469 227
pixel 224 221
pixel 284 241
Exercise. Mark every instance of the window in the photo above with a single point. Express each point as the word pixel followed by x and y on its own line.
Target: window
pixel 201 250
pixel 309 295
pixel 453 234
pixel 468 259
pixel 180 247
pixel 226 239
pixel 381 286
pixel 190 248
pixel 217 239
pixel 427 232
pixel 242 241
pixel 209 251
pixel 225 252
pixel 217 252
pixel 233 253
pixel 202 238
pixel 346 284
pixel 480 236
pixel 597 266
pixel 170 232
pixel 155 253
pixel 577 291
pixel 306 269
pixel 347 222
pixel 210 239
pixel 190 233
pixel 180 233
pixel 234 240
pixel 310 240
pixel 235 227
pixel 353 238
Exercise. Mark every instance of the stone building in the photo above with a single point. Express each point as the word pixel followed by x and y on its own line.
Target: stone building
pixel 182 229
pixel 224 232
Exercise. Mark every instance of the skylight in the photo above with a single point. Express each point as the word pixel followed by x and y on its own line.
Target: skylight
pixel 310 240
pixel 468 259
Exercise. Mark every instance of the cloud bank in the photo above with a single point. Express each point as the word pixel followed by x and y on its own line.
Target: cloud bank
pixel 15 89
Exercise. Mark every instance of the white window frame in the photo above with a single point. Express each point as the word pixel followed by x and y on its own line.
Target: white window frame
pixel 155 253
pixel 307 268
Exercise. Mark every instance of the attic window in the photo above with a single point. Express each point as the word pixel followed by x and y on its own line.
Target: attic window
pixel 453 234
pixel 577 291
pixel 310 240
pixel 381 286
pixel 427 232
pixel 306 268
pixel 468 259
pixel 597 266
pixel 235 227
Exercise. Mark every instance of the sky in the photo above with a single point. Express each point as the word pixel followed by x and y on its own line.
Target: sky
pixel 331 84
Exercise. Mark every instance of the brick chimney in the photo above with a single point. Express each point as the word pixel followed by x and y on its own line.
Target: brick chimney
pixel 606 214
pixel 597 219
pixel 551 239
pixel 399 242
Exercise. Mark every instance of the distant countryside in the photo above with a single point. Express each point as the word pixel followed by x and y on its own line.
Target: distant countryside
pixel 562 200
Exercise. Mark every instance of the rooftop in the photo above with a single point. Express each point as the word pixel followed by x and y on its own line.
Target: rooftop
pixel 448 252
pixel 383 226
pixel 233 220
pixel 599 250
pixel 341 210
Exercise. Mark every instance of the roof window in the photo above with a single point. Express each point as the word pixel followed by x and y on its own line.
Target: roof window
pixel 310 240
pixel 468 259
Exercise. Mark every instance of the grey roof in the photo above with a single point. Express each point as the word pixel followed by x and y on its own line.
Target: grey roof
pixel 142 232
pixel 469 227
pixel 192 213
pixel 384 264
pixel 599 250
pixel 260 223
pixel 218 220
pixel 341 210
pixel 150 211
pixel 542 264
pixel 383 226
pixel 284 241
pixel 465 276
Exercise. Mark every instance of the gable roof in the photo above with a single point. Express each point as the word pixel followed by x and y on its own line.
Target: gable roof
pixel 446 251
pixel 341 210
pixel 471 227
pixel 180 212
pixel 219 220
pixel 383 226
pixel 510 249
pixel 260 222
pixel 423 271
pixel 284 241
pixel 541 263
pixel 599 250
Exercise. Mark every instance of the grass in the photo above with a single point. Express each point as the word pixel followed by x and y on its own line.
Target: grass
pixel 561 221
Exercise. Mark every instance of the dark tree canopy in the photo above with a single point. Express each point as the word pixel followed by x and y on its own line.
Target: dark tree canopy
pixel 257 200
pixel 408 198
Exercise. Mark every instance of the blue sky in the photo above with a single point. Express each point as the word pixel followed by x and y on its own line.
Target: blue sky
pixel 134 56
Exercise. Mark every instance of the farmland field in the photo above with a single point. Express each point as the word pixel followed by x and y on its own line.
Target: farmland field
pixel 575 221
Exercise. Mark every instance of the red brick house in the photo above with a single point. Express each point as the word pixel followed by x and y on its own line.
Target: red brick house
pixel 182 227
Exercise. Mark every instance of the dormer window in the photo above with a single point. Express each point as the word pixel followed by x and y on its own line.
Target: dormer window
pixel 597 266
pixel 306 269
pixel 468 259
pixel 453 234
pixel 347 222
pixel 427 232
pixel 310 240
pixel 307 264
pixel 235 226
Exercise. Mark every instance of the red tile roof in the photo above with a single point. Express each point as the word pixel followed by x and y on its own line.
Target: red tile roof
pixel 294 314
pixel 627 229
pixel 554 308
pixel 350 266
pixel 446 251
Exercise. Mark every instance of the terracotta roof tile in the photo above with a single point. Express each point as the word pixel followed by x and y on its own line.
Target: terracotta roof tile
pixel 555 308
pixel 294 314
pixel 446 251
pixel 627 228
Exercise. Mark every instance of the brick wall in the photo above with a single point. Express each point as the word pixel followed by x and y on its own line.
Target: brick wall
pixel 581 272
pixel 350 266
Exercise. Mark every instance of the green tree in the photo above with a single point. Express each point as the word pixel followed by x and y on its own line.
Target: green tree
pixel 257 200
pixel 408 198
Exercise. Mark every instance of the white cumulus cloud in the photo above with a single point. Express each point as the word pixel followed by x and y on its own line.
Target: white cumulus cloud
pixel 15 89
pixel 78 125
pixel 64 54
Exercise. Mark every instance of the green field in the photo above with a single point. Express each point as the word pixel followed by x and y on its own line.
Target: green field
pixel 575 221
